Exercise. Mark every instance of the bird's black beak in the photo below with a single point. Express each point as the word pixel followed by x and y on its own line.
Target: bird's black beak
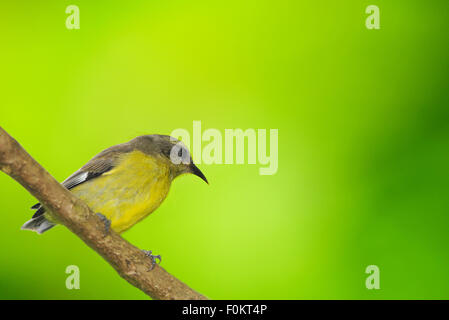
pixel 198 172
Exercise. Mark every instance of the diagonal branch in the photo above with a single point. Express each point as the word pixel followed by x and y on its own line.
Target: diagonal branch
pixel 130 263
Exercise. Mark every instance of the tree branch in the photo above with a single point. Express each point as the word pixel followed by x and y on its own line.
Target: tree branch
pixel 130 262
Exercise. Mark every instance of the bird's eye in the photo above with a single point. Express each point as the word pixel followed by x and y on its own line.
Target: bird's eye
pixel 179 154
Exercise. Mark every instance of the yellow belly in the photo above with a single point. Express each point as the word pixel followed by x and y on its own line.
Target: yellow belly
pixel 129 192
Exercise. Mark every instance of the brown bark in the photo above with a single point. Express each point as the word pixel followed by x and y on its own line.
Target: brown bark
pixel 130 262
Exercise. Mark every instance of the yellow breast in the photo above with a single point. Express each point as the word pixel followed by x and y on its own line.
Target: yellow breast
pixel 130 191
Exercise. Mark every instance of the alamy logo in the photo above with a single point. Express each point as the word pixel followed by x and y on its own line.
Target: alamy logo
pixel 73 20
pixel 73 280
pixel 373 20
pixel 373 280
pixel 209 147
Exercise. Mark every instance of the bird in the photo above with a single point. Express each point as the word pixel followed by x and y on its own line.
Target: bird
pixel 123 184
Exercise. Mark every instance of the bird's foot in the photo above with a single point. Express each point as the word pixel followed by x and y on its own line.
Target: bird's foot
pixel 153 258
pixel 107 223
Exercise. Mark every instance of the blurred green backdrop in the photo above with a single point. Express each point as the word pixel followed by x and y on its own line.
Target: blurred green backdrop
pixel 363 142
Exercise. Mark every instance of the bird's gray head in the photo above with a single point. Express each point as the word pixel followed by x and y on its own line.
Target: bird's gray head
pixel 171 150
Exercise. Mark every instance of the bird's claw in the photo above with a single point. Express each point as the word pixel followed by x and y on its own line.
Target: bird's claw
pixel 153 258
pixel 107 223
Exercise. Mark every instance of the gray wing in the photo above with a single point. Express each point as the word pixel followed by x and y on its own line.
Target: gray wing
pixel 92 169
pixel 102 163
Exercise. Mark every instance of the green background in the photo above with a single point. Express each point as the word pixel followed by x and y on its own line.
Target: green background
pixel 363 119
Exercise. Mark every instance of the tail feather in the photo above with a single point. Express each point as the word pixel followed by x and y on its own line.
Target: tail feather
pixel 36 206
pixel 38 224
